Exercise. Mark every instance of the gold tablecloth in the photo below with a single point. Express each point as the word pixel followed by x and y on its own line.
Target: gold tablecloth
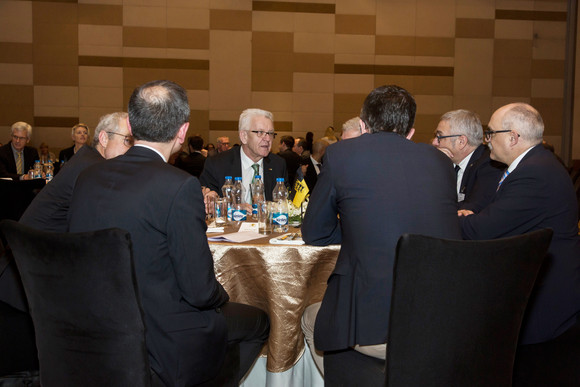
pixel 279 279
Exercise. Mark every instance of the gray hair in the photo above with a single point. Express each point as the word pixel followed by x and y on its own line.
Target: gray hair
pixel 526 121
pixel 247 115
pixel 21 125
pixel 352 125
pixel 467 123
pixel 108 123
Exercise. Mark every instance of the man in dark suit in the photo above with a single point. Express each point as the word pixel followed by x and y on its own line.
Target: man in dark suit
pixel 372 189
pixel 194 161
pixel 460 136
pixel 535 192
pixel 292 158
pixel 256 131
pixel 314 163
pixel 189 322
pixel 16 157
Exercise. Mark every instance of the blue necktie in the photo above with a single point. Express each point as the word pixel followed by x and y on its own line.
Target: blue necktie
pixel 505 174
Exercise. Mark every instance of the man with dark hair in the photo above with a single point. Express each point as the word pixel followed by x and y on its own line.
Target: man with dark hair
pixel 194 161
pixel 314 163
pixel 191 326
pixel 393 186
pixel 292 159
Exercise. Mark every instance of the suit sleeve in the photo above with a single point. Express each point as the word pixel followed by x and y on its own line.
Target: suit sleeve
pixel 208 176
pixel 486 182
pixel 321 226
pixel 189 251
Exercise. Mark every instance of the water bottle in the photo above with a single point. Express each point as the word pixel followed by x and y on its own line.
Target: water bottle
pixel 239 214
pixel 227 194
pixel 37 170
pixel 280 211
pixel 257 195
pixel 49 171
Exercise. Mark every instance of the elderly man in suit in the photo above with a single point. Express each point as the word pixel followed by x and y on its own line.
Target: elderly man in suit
pixel 372 189
pixel 256 131
pixel 16 157
pixel 190 323
pixel 460 136
pixel 534 192
pixel 351 129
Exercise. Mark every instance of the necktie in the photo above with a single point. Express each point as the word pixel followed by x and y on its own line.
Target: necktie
pixel 256 168
pixel 457 168
pixel 19 167
pixel 505 174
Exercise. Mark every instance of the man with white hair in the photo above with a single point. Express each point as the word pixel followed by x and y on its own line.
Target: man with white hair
pixel 460 136
pixel 351 128
pixel 16 158
pixel 256 131
pixel 536 192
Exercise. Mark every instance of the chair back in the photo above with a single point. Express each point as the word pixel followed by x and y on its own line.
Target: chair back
pixel 457 308
pixel 84 303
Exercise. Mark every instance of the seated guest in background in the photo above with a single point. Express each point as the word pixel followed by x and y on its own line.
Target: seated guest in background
pixel 372 189
pixel 329 136
pixel 210 148
pixel 223 144
pixel 194 161
pixel 314 163
pixel 351 128
pixel 300 148
pixel 45 154
pixel 80 135
pixel 535 192
pixel 292 158
pixel 16 157
pixel 190 323
pixel 256 131
pixel 460 136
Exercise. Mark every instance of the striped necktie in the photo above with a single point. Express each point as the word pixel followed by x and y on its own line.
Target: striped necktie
pixel 256 168
pixel 19 166
pixel 505 174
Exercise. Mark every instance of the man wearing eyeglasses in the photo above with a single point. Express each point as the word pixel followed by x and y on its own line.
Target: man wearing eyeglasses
pixel 535 192
pixel 256 131
pixel 16 158
pixel 460 136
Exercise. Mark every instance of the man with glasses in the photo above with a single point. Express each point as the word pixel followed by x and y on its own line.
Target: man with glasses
pixel 536 192
pixel 223 144
pixel 256 131
pixel 460 136
pixel 16 159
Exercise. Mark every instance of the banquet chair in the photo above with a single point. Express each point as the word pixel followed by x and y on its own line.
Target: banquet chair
pixel 456 311
pixel 85 306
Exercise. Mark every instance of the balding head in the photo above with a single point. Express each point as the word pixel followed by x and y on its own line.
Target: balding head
pixel 351 128
pixel 318 149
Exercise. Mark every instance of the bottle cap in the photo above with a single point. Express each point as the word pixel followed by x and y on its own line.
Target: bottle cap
pixel 228 178
pixel 238 178
pixel 258 176
pixel 280 179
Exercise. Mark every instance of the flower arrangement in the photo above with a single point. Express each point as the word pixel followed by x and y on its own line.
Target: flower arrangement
pixel 295 214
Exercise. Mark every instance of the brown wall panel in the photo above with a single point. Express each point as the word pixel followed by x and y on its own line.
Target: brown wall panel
pixel 551 111
pixel 272 41
pixel 280 6
pixel 355 24
pixel 512 87
pixel 272 61
pixel 10 114
pixel 188 38
pixel 16 52
pixel 313 63
pixel 426 85
pixel 272 81
pixel 475 28
pixel 51 122
pixel 395 45
pixel 547 68
pixel 47 75
pixel 434 46
pixel 512 48
pixel 144 37
pixel 56 55
pixel 101 14
pixel 233 20
pixel 348 102
pixel 56 34
pixel 189 79
pixel 512 67
pixel 54 13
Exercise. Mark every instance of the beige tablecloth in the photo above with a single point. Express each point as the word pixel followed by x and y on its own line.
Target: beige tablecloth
pixel 281 280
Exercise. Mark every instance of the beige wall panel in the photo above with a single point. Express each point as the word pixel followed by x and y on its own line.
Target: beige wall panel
pixel 497 102
pixel 314 43
pixel 312 102
pixel 271 81
pixel 56 96
pixel 110 2
pixel 512 48
pixel 100 14
pixel 512 67
pixel 348 102
pixel 428 46
pixel 147 3
pixel 478 104
pixel 473 71
pixel 56 34
pixel 313 82
pixel 437 61
pixel 405 81
pixel 227 4
pixel 16 21
pixel 353 83
pixel 272 101
pixel 105 97
pixel 313 63
pixel 100 76
pixel 551 111
pixel 522 5
pixel 230 70
pixel 184 17
pixel 314 22
pixel 396 17
pixel 56 75
pixel 394 60
pixel 145 16
pixel 433 85
pixel 272 21
pixel 199 123
pixel 189 79
pixel 55 55
pixel 360 7
pixel 228 115
pixel 514 29
pixel 181 53
pixel 395 45
pixel 133 77
pixel 551 5
pixel 54 13
pixel 144 52
pixel 425 125
pixel 550 30
pixel 547 88
pixel 272 61
pixel 354 44
pixel 272 41
pixel 230 20
pixel 15 74
pixel 512 87
pixel 198 99
pixel 311 122
pixel 549 49
pixel 355 24
pixel 16 52
pixel 484 9
pixel 91 35
pixel 101 51
pixel 433 104
pixel 435 18
pixel 57 111
pixel 366 59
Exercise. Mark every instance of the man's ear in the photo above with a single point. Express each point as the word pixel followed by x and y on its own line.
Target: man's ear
pixel 243 136
pixel 182 133
pixel 411 133
pixel 103 138
pixel 363 127
pixel 129 126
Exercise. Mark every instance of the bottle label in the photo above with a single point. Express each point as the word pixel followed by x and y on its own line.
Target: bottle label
pixel 280 219
pixel 255 209
pixel 239 215
pixel 230 211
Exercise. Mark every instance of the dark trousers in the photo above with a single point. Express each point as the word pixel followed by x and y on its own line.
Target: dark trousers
pixel 248 330
pixel 17 344
pixel 349 368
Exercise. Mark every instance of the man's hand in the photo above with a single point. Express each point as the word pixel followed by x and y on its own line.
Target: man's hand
pixel 446 151
pixel 464 212
pixel 209 197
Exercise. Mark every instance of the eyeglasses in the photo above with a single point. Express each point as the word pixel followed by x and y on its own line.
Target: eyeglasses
pixel 439 138
pixel 17 138
pixel 261 133
pixel 128 140
pixel 488 134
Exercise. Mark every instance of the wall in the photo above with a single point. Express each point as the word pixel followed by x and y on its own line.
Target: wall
pixel 310 63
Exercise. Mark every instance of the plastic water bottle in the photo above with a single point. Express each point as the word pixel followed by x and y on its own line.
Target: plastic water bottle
pixel 257 195
pixel 239 214
pixel 280 211
pixel 37 170
pixel 227 194
pixel 49 171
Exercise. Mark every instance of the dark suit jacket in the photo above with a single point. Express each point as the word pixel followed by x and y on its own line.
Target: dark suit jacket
pixel 292 164
pixel 229 163
pixel 393 186
pixel 480 180
pixel 162 207
pixel 539 194
pixel 29 153
pixel 191 163
pixel 310 177
pixel 64 156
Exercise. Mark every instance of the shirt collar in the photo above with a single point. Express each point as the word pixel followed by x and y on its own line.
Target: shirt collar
pixel 153 149
pixel 516 162
pixel 463 163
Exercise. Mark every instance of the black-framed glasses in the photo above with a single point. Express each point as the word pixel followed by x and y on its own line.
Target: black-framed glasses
pixel 127 140
pixel 439 138
pixel 489 133
pixel 261 133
